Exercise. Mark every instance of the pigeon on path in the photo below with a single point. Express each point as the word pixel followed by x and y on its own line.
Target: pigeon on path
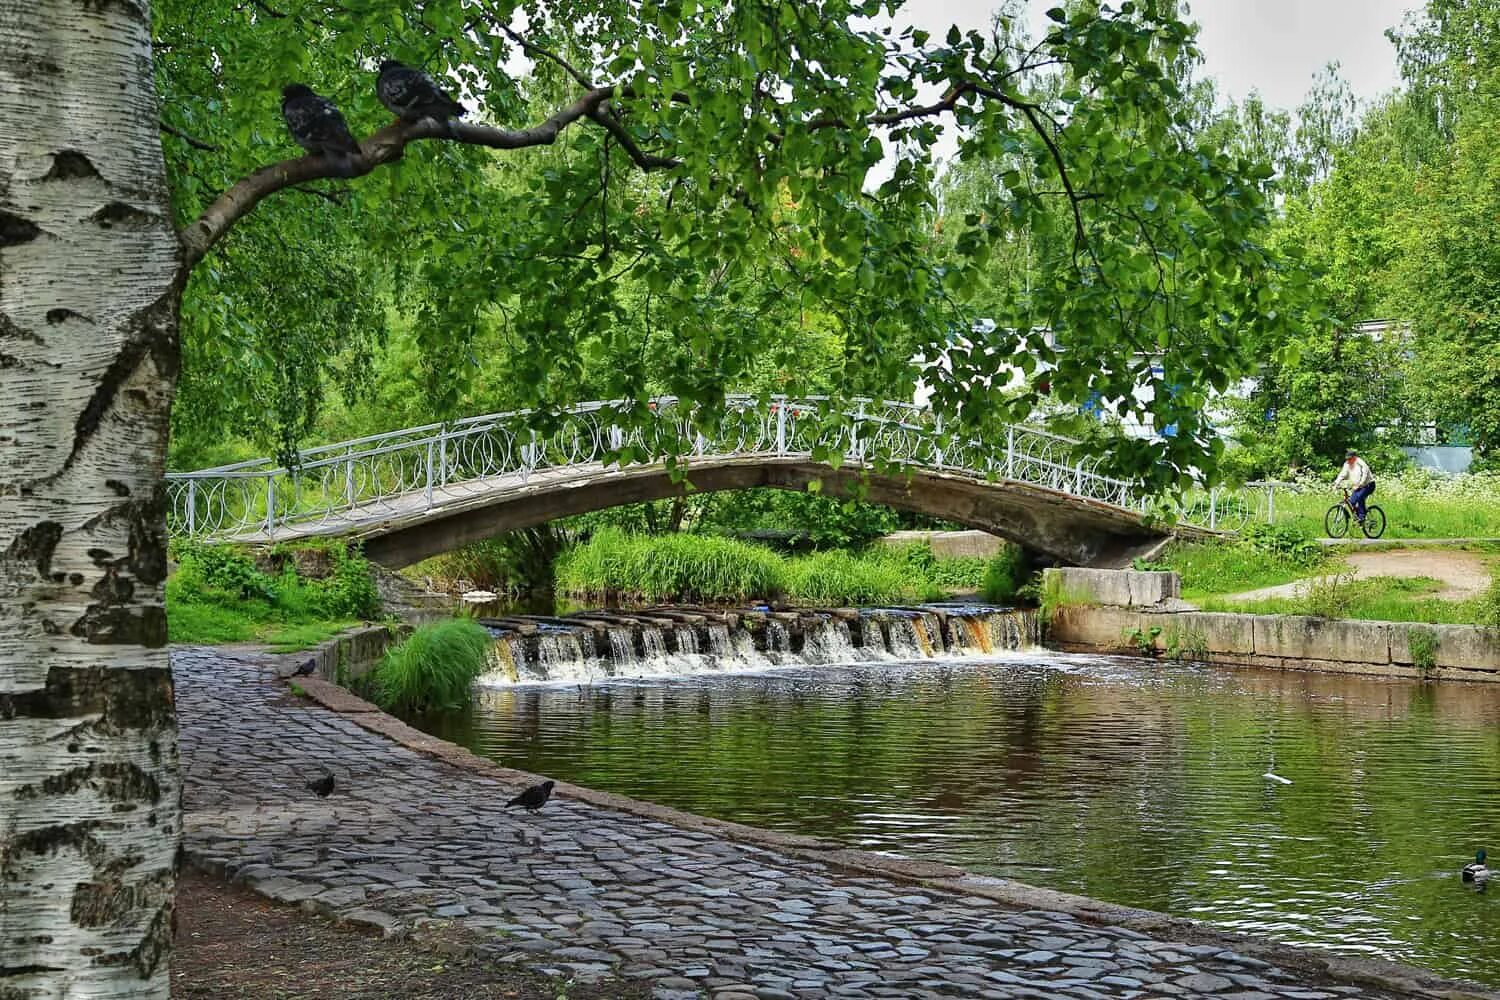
pixel 317 125
pixel 534 797
pixel 321 786
pixel 411 95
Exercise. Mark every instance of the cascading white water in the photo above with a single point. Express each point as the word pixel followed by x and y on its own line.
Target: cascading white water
pixel 558 654
pixel 622 656
pixel 904 643
pixel 562 656
pixel 829 641
pixel 654 644
pixel 778 639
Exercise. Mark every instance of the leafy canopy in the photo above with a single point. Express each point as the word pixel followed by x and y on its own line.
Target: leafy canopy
pixel 746 166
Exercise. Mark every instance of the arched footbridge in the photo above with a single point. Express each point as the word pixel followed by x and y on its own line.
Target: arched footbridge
pixel 419 492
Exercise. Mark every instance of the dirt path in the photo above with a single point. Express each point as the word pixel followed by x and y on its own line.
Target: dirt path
pixel 235 945
pixel 1463 574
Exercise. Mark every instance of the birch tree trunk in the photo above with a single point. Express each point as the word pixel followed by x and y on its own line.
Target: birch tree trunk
pixel 90 794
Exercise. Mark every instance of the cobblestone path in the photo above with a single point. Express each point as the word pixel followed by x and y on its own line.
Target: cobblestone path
pixel 589 891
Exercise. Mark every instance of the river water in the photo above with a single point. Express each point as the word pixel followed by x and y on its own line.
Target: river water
pixel 1133 782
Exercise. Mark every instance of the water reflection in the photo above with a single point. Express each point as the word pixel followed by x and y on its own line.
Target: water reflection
pixel 1142 785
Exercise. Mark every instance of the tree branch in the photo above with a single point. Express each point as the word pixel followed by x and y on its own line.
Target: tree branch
pixel 207 147
pixel 385 146
pixel 616 128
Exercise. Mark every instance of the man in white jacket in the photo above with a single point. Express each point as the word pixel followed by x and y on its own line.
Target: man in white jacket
pixel 1356 474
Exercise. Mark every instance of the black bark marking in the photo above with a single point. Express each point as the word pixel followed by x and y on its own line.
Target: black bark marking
pixel 117 781
pixel 8 361
pixel 119 488
pixel 146 543
pixel 36 545
pixel 10 331
pixel 127 7
pixel 56 316
pixel 118 213
pixel 112 626
pixel 122 700
pixel 77 837
pixel 15 230
pixel 113 589
pixel 69 165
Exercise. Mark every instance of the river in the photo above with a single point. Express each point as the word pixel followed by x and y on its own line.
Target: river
pixel 1134 782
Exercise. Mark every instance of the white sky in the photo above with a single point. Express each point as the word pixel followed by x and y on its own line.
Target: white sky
pixel 1273 46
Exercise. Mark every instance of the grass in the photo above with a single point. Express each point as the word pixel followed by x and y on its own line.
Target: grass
pixel 1264 556
pixel 873 576
pixel 220 594
pixel 1389 599
pixel 614 565
pixel 434 667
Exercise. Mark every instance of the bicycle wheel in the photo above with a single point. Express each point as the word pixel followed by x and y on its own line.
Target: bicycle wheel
pixel 1336 521
pixel 1374 522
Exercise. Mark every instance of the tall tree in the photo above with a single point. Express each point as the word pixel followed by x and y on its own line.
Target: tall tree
pixel 757 126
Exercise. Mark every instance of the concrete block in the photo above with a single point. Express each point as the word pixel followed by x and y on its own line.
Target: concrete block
pixel 949 544
pixel 1122 588
pixel 1104 628
pixel 1467 647
pixel 1222 633
pixel 1295 637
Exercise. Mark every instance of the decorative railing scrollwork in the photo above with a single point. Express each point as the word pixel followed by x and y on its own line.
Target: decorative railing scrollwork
pixel 406 471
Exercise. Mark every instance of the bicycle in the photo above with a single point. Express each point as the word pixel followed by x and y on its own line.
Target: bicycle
pixel 1336 521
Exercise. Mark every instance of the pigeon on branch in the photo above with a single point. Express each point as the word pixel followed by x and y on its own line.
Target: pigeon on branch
pixel 411 95
pixel 317 125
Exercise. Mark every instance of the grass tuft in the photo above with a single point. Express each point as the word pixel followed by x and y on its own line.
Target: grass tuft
pixel 434 668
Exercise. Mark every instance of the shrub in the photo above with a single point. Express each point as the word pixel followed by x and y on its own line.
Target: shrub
pixel 1423 644
pixel 1004 575
pixel 1290 543
pixel 432 669
pixel 218 594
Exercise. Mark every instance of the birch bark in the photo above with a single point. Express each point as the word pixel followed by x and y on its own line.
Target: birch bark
pixel 90 808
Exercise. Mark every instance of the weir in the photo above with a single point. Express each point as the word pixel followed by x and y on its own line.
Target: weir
pixel 594 646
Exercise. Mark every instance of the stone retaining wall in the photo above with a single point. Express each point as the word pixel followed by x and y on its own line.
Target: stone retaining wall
pixel 348 655
pixel 1292 642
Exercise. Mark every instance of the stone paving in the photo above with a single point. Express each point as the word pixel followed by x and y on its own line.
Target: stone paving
pixel 589 892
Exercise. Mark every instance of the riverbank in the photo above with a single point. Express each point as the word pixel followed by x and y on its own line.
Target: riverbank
pixel 599 886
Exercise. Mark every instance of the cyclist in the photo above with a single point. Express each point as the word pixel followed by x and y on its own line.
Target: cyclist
pixel 1356 473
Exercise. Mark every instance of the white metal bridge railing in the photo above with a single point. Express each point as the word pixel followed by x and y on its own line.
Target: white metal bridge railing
pixel 410 470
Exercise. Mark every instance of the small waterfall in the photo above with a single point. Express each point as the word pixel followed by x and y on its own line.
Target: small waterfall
pixel 562 657
pixel 1015 629
pixel 622 652
pixel 552 650
pixel 906 642
pixel 502 661
pixel 829 641
pixel 653 644
pixel 778 638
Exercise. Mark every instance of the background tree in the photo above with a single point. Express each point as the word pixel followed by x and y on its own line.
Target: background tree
pixel 757 126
